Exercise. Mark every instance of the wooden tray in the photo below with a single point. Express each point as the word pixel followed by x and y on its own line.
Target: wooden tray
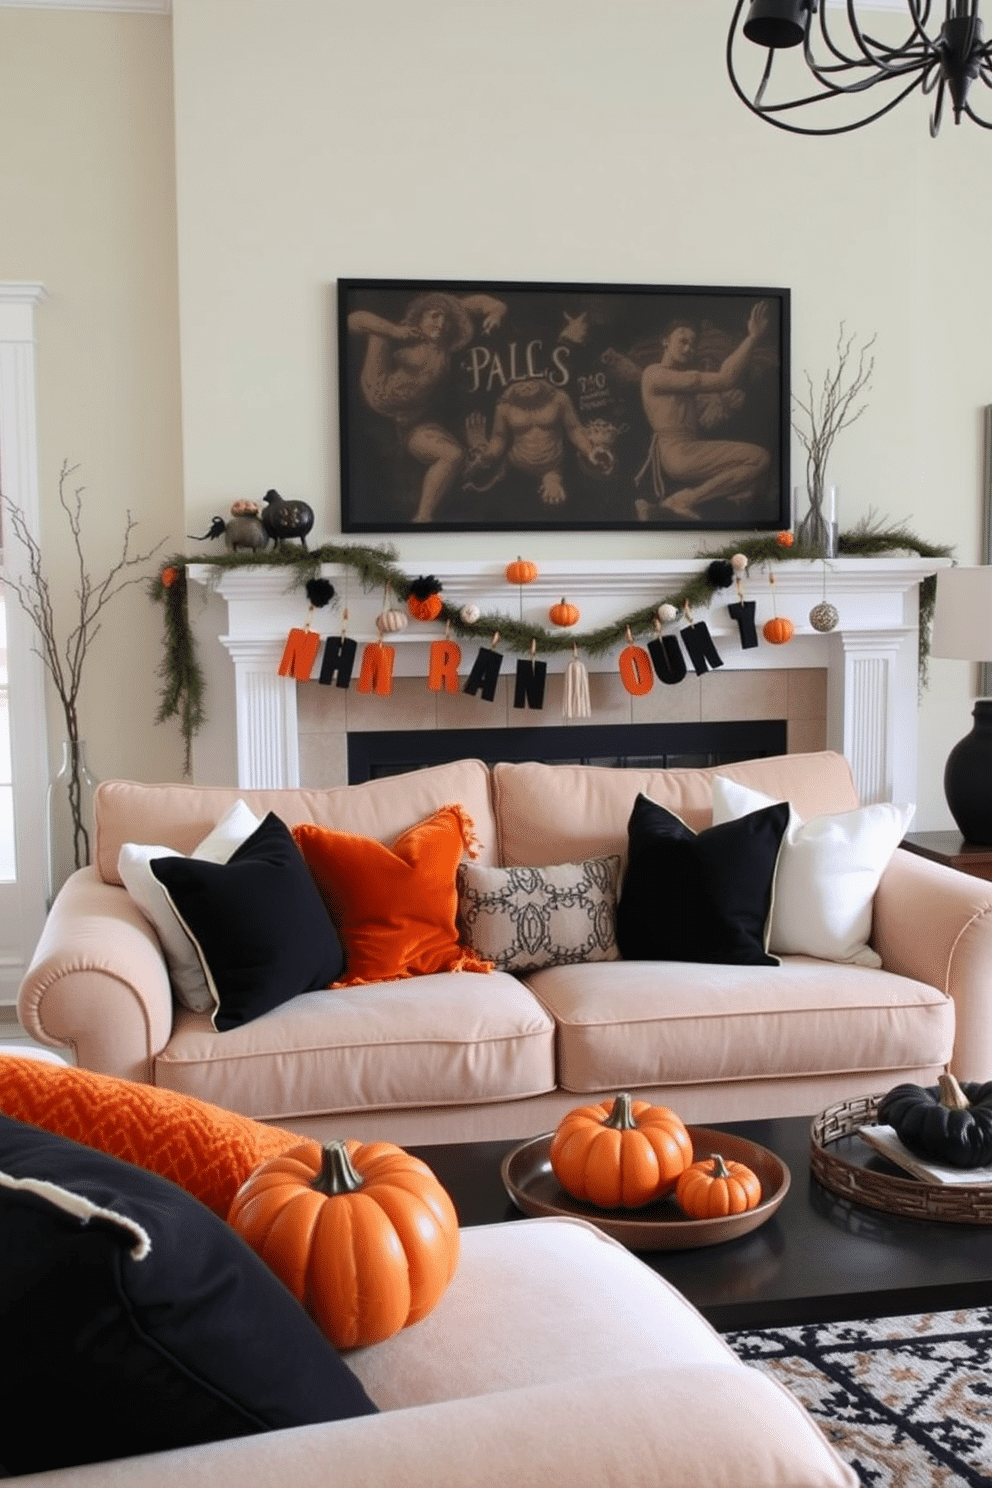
pixel 881 1186
pixel 536 1191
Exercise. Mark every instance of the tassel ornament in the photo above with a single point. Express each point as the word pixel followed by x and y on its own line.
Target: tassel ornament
pixel 575 698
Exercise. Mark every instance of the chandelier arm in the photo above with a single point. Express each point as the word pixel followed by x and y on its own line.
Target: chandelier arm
pixel 769 113
pixel 872 52
pixel 982 123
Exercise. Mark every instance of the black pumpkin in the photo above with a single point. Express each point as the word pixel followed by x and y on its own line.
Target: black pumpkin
pixel 947 1123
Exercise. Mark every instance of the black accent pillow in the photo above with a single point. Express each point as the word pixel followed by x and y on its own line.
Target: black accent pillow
pixel 704 896
pixel 258 923
pixel 134 1320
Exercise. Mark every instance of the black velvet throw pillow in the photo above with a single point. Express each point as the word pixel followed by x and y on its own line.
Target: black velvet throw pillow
pixel 257 921
pixel 704 896
pixel 135 1321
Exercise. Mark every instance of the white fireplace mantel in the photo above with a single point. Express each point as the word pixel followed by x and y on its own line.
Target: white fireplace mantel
pixel 870 658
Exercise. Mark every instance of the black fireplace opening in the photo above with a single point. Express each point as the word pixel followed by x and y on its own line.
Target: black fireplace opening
pixel 373 754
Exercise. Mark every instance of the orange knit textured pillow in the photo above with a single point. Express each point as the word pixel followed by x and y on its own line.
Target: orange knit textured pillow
pixel 202 1148
pixel 395 908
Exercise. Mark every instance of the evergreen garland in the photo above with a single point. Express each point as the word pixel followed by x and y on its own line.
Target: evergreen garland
pixel 183 687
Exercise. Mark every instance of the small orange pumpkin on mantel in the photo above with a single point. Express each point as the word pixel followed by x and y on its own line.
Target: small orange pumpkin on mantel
pixel 715 1187
pixel 620 1154
pixel 362 1234
pixel 521 571
pixel 563 614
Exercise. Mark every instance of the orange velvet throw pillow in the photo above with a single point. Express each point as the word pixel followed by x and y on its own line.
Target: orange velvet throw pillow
pixel 202 1148
pixel 395 908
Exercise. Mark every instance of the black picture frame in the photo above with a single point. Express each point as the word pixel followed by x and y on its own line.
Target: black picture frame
pixel 498 406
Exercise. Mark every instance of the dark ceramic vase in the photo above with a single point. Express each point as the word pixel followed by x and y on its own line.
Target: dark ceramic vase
pixel 968 778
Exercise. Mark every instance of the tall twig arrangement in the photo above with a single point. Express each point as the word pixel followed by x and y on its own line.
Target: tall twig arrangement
pixel 65 659
pixel 825 413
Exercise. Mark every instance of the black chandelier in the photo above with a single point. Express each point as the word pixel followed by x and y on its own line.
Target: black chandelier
pixel 844 73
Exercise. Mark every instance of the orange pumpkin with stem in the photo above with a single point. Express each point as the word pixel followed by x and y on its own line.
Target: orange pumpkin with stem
pixel 778 630
pixel 362 1234
pixel 521 571
pixel 563 614
pixel 715 1187
pixel 620 1153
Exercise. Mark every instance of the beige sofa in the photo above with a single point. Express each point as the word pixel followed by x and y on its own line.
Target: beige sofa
pixel 554 1360
pixel 463 1056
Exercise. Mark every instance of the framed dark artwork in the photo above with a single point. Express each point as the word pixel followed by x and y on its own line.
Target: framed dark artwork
pixel 513 407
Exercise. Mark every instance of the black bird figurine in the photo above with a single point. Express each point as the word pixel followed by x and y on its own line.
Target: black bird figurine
pixel 285 519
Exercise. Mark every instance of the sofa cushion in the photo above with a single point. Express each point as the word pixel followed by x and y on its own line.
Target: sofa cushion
pixel 258 924
pixel 705 896
pixel 525 918
pixel 206 1150
pixel 567 813
pixel 134 869
pixel 452 1040
pixel 649 1023
pixel 138 1319
pixel 180 815
pixel 828 872
pixel 395 907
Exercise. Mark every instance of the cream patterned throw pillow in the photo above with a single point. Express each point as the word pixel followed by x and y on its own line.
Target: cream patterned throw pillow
pixel 526 918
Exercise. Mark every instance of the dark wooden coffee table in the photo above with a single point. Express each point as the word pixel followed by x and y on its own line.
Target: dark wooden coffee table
pixel 819 1258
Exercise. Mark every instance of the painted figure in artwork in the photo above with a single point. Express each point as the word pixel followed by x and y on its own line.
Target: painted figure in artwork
pixel 530 424
pixel 682 397
pixel 405 368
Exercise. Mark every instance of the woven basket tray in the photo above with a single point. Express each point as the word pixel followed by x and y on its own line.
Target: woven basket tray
pixel 877 1189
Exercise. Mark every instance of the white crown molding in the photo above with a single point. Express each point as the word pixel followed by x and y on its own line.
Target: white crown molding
pixel 158 7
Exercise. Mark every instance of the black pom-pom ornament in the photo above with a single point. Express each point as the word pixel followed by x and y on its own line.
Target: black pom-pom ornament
pixel 320 592
pixel 425 586
pixel 720 573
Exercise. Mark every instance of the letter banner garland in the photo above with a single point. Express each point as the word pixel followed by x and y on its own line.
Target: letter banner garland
pixel 660 658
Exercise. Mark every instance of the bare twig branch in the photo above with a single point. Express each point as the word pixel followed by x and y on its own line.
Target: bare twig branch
pixel 830 412
pixel 65 660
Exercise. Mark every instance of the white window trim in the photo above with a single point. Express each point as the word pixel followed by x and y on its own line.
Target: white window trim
pixel 29 736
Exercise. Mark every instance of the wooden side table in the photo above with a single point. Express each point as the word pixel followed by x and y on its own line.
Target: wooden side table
pixel 951 849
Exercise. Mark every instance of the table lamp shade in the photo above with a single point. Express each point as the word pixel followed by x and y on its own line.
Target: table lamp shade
pixel 962 630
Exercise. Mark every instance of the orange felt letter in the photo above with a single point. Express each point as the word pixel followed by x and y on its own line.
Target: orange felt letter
pixel 377 670
pixel 299 654
pixel 636 670
pixel 443 674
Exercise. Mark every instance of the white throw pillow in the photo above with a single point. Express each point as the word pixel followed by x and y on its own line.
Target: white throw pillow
pixel 828 872
pixel 185 970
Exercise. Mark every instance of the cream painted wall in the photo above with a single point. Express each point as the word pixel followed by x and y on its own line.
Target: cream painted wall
pixel 88 193
pixel 561 140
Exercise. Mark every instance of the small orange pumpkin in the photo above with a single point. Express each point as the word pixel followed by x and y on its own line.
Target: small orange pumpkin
pixel 713 1187
pixel 563 614
pixel 168 577
pixel 521 572
pixel 784 539
pixel 363 1235
pixel 620 1153
pixel 778 630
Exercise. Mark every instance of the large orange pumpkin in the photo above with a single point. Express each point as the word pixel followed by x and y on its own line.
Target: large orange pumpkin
pixel 620 1153
pixel 363 1235
pixel 714 1187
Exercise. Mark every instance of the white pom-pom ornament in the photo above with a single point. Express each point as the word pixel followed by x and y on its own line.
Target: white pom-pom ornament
pixel 468 614
pixel 739 562
pixel 667 613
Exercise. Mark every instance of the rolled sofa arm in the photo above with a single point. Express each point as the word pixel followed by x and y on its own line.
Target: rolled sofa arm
pixel 935 924
pixel 651 1428
pixel 98 983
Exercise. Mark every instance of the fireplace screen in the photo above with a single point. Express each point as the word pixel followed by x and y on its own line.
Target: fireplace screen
pixel 654 746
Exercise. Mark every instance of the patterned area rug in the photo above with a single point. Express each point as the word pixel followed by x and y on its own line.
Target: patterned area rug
pixel 907 1401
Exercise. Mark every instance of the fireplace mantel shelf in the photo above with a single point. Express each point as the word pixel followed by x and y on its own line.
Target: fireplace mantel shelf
pixel 871 657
